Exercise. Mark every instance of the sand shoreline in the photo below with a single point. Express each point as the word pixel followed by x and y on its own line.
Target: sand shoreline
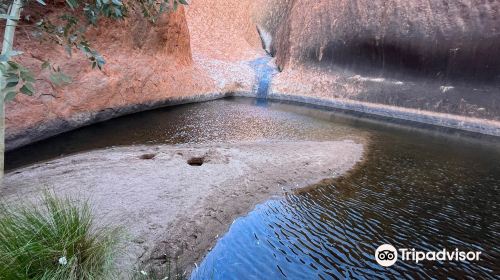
pixel 170 208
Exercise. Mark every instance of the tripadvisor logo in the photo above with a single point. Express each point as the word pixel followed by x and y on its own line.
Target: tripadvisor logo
pixel 387 255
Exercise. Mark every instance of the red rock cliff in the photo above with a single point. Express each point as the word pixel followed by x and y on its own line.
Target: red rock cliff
pixel 437 56
pixel 431 55
pixel 146 66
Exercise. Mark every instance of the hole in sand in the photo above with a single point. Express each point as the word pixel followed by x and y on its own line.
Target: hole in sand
pixel 195 161
pixel 147 156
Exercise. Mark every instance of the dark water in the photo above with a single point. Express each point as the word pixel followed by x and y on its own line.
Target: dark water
pixel 224 120
pixel 412 192
pixel 416 189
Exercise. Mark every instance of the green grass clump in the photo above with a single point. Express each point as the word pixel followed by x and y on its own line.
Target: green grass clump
pixel 56 240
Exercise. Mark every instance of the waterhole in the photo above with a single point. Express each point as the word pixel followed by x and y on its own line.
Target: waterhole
pixel 415 189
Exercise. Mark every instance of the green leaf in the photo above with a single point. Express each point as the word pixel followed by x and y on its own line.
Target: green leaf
pixel 65 78
pixel 12 84
pixel 59 78
pixel 13 65
pixel 11 78
pixel 183 2
pixel 72 4
pixel 118 12
pixel 10 96
pixel 27 76
pixel 45 64
pixel 27 89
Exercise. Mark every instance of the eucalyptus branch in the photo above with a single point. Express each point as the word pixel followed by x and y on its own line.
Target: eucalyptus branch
pixel 68 30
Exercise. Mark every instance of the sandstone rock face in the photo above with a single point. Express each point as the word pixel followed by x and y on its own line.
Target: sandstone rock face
pixel 146 66
pixel 454 37
pixel 431 55
pixel 437 56
pixel 224 30
pixel 141 59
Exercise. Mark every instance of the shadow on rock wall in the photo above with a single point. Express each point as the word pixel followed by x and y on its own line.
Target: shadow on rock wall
pixel 429 43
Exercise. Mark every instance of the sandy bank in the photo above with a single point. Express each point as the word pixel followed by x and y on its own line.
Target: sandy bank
pixel 171 208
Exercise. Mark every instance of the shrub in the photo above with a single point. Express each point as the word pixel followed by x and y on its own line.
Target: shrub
pixel 56 240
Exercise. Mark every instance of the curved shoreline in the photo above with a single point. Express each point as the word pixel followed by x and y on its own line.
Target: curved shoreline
pixel 171 209
pixel 451 123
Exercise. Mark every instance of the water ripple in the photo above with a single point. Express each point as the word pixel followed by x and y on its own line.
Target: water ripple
pixel 406 194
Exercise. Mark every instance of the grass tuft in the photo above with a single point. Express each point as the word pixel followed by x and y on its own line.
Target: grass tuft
pixel 57 240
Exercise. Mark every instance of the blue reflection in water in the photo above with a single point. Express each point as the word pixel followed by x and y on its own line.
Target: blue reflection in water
pixel 248 236
pixel 430 196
